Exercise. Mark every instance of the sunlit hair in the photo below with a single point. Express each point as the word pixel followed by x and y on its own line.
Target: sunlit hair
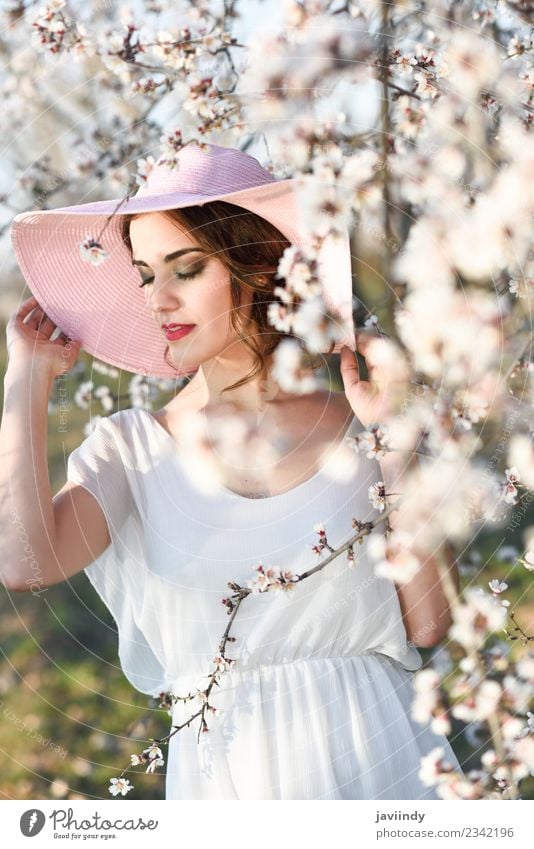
pixel 249 247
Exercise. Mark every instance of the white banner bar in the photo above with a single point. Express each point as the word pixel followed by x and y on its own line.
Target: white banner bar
pixel 256 824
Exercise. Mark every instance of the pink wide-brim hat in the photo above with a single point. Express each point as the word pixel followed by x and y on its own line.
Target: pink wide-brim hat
pixel 103 305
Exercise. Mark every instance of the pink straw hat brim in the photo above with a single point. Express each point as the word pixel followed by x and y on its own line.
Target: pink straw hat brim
pixel 103 306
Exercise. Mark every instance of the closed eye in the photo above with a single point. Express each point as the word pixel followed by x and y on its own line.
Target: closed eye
pixel 181 275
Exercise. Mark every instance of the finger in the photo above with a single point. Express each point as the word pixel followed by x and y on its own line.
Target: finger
pixel 46 326
pixel 35 314
pixel 350 371
pixel 364 341
pixel 40 321
pixel 26 307
pixel 61 340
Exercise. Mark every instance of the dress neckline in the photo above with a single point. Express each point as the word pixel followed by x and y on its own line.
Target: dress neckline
pixel 236 496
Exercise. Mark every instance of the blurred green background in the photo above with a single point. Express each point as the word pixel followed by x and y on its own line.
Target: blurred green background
pixel 69 720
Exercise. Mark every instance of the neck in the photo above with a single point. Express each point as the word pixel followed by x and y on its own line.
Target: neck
pixel 253 397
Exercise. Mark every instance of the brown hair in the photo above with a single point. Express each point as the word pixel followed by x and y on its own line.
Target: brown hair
pixel 250 247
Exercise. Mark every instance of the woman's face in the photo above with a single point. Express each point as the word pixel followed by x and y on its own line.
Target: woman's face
pixel 192 288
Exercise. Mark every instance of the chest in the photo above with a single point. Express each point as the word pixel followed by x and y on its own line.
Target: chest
pixel 260 472
pixel 274 456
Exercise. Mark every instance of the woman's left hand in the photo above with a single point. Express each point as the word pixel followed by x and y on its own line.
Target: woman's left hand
pixel 369 399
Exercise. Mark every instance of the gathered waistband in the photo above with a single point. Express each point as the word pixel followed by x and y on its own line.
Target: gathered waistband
pixel 312 659
pixel 243 668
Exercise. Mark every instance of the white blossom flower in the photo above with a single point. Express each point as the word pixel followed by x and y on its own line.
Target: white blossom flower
pixel 393 558
pixel 82 396
pixel 509 488
pixel 358 169
pixel 489 759
pixel 153 764
pixel 279 316
pixel 155 757
pixel 288 371
pixel 426 247
pixel 377 495
pixel 338 462
pixel 426 684
pixel 84 46
pixel 519 286
pixel 513 727
pixel 497 586
pixel 455 787
pixel 405 63
pixel 431 766
pixel 523 750
pixel 473 62
pixel 120 785
pixel 223 664
pixel 312 323
pixel 153 751
pixel 440 724
pixel 480 705
pixel 105 396
pixel 144 168
pixel 518 693
pixel 425 85
pixel 449 354
pixel 475 618
pixel 93 252
pixel 373 441
pixel 521 456
pixel 323 201
pixel 530 722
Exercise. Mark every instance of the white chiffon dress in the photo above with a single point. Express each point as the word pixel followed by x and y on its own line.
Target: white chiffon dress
pixel 317 703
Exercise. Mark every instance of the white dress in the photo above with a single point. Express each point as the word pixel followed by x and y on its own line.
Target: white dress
pixel 317 704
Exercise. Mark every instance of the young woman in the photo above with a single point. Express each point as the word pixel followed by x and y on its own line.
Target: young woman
pixel 316 704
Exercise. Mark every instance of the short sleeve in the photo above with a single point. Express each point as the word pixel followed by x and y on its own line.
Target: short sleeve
pixel 103 465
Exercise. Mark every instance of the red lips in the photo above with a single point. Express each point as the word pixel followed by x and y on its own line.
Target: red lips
pixel 173 324
pixel 176 331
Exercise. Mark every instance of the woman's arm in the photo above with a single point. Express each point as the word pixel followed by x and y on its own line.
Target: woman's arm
pixel 423 601
pixel 424 606
pixel 43 540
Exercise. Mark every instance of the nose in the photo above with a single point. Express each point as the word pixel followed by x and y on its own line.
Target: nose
pixel 162 296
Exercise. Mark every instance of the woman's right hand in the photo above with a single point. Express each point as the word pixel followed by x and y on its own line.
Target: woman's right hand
pixel 28 341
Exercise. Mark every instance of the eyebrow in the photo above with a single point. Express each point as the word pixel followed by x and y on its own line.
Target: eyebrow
pixel 169 257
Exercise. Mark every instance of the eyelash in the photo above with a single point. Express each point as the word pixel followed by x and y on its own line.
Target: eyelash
pixel 177 274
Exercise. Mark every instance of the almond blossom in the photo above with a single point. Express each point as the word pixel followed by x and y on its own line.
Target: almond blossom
pixel 377 495
pixel 373 441
pixel 120 785
pixel 93 252
pixel 481 705
pixel 476 618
